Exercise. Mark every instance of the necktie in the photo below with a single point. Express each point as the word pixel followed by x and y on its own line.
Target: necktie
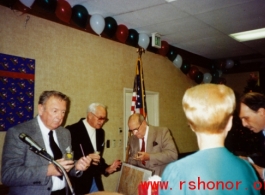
pixel 57 154
pixel 143 149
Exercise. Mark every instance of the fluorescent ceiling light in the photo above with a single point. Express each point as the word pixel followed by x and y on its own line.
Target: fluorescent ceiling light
pixel 170 0
pixel 249 35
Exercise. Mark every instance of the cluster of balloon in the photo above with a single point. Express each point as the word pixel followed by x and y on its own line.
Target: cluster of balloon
pixel 80 16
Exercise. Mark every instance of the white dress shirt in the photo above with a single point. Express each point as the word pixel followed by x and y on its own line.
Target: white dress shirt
pixel 91 133
pixel 58 184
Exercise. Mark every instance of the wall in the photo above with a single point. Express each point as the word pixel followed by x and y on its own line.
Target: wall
pixel 89 68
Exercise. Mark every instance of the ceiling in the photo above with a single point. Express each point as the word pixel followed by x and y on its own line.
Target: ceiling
pixel 197 26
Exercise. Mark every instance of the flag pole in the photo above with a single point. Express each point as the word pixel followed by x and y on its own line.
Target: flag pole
pixel 139 71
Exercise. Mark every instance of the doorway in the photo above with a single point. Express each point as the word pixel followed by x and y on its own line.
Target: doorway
pixel 152 104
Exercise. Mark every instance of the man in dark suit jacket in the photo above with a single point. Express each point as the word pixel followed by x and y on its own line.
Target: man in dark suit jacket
pixel 88 138
pixel 252 115
pixel 159 149
pixel 25 172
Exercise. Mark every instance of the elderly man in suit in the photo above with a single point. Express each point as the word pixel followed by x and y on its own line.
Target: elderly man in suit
pixel 88 137
pixel 150 147
pixel 25 172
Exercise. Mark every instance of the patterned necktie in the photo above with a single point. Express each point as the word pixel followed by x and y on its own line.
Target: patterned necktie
pixel 143 149
pixel 57 154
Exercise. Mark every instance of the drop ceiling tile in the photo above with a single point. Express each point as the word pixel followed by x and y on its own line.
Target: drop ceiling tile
pixel 194 7
pixel 151 16
pixel 237 18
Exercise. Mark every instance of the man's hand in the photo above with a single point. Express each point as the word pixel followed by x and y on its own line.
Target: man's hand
pixel 143 156
pixel 55 171
pixel 83 163
pixel 95 158
pixel 112 168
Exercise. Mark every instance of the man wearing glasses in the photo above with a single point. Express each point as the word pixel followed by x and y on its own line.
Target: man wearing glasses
pixel 150 147
pixel 88 139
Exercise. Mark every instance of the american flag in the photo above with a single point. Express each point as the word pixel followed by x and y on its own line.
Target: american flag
pixel 138 96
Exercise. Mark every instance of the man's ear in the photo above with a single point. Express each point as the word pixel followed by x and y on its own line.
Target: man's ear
pixel 261 111
pixel 40 109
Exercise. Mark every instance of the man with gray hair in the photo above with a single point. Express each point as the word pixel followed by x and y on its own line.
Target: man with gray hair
pixel 88 139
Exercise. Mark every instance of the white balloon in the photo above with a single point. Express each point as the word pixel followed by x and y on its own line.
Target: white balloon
pixel 207 77
pixel 143 40
pixel 229 64
pixel 178 61
pixel 27 3
pixel 97 23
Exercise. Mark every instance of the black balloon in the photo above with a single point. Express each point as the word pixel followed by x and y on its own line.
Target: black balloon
pixel 80 15
pixel 132 38
pixel 236 63
pixel 198 77
pixel 172 54
pixel 185 68
pixel 110 26
pixel 213 67
pixel 215 76
pixel 48 5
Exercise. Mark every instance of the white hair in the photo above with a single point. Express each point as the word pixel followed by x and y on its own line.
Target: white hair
pixel 92 107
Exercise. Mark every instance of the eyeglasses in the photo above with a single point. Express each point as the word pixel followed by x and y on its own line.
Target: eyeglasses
pixel 135 130
pixel 100 118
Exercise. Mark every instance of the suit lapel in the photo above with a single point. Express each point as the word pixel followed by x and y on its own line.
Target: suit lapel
pixel 150 139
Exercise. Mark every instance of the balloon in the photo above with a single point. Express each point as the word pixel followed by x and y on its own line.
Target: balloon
pixel 236 63
pixel 27 3
pixel 178 61
pixel 122 33
pixel 80 15
pixel 48 5
pixel 143 40
pixel 213 67
pixel 63 11
pixel 229 64
pixel 215 76
pixel 164 48
pixel 198 77
pixel 97 23
pixel 207 77
pixel 21 7
pixel 110 26
pixel 132 38
pixel 185 67
pixel 172 54
pixel 192 72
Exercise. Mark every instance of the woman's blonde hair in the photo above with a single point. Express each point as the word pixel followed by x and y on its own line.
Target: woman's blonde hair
pixel 208 107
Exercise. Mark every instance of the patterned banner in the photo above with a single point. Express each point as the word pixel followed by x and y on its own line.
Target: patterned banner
pixel 16 90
